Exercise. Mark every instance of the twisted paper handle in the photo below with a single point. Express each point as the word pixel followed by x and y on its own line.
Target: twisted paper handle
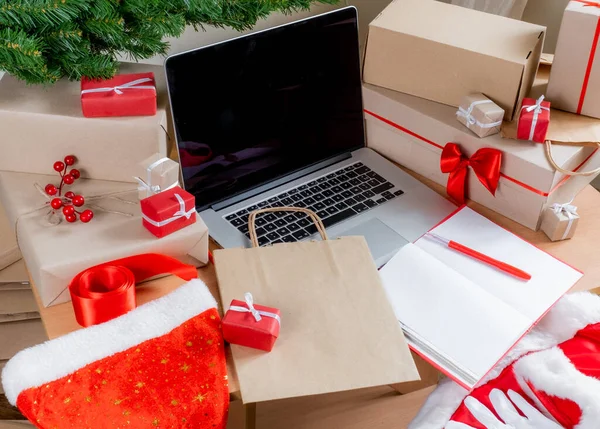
pixel 562 170
pixel 252 226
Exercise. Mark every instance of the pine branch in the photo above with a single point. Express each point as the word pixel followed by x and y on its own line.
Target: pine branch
pixel 31 14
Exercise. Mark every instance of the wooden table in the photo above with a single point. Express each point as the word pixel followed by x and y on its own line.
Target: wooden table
pixel 579 252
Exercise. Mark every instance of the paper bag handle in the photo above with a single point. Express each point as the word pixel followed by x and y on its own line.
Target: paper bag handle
pixel 252 225
pixel 562 170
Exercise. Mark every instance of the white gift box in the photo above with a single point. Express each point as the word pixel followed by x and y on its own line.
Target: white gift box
pixel 413 131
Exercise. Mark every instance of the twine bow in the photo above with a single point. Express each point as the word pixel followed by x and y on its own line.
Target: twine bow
pixel 470 119
pixel 147 186
pixel 569 210
pixel 181 213
pixel 536 109
pixel 135 84
pixel 250 309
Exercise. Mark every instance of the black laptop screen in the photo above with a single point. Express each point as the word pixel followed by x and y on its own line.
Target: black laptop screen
pixel 255 109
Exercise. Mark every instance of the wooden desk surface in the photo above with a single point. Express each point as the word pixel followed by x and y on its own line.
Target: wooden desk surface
pixel 579 252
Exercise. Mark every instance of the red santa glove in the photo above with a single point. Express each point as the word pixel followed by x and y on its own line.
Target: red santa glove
pixel 160 365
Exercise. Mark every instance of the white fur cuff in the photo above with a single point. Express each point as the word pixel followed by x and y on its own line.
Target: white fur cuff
pixel 58 358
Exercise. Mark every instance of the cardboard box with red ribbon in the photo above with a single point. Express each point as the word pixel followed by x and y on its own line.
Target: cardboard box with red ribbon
pixel 123 95
pixel 511 177
pixel 575 79
pixel 251 325
pixel 168 211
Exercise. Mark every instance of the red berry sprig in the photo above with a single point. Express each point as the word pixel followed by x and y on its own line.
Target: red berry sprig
pixel 70 200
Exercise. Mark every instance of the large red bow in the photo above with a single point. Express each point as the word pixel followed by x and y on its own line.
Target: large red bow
pixel 485 163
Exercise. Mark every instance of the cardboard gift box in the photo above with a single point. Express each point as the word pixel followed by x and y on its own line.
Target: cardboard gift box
pixel 251 325
pixel 441 52
pixel 156 174
pixel 480 114
pixel 413 132
pixel 168 211
pixel 48 122
pixel 55 254
pixel 124 95
pixel 575 78
pixel 9 250
pixel 560 221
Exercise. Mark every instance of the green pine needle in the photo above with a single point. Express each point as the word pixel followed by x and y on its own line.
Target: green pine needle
pixel 44 40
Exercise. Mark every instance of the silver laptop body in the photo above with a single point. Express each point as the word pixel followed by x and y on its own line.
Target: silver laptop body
pixel 275 118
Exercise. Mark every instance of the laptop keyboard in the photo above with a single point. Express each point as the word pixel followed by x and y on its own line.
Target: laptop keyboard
pixel 334 197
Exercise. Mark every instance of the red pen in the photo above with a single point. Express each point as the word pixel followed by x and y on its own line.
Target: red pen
pixel 503 266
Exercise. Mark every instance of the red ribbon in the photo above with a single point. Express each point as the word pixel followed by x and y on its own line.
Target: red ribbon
pixel 106 291
pixel 485 163
pixel 588 71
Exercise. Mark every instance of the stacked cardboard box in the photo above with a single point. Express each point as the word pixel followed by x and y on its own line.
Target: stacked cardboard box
pixel 423 57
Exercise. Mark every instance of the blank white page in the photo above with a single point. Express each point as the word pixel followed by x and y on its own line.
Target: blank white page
pixel 465 323
pixel 551 278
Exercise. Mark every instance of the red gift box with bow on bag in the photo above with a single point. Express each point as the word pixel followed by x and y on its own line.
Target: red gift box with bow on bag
pixel 123 95
pixel 534 120
pixel 250 325
pixel 168 211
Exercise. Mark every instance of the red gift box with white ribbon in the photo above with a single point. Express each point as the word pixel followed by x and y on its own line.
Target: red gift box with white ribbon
pixel 250 325
pixel 168 211
pixel 534 120
pixel 123 95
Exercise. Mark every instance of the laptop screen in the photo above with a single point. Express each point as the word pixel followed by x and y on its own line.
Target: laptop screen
pixel 254 109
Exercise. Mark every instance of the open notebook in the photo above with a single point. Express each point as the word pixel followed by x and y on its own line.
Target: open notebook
pixel 461 314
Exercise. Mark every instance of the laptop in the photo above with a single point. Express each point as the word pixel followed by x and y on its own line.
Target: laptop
pixel 275 118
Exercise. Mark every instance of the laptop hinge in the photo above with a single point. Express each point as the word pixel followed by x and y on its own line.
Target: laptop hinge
pixel 281 181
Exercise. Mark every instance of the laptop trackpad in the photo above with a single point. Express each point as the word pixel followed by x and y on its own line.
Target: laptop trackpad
pixel 383 241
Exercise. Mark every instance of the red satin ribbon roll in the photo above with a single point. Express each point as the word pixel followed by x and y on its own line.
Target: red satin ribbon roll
pixel 106 291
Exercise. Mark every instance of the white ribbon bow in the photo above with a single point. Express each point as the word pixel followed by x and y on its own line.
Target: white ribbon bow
pixel 536 109
pixel 135 84
pixel 569 210
pixel 147 186
pixel 250 309
pixel 181 213
pixel 470 119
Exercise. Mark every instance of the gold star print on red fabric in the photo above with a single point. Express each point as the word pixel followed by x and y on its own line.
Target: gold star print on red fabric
pixel 178 380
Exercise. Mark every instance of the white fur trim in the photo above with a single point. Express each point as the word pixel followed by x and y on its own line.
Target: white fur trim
pixel 551 372
pixel 440 406
pixel 570 315
pixel 58 358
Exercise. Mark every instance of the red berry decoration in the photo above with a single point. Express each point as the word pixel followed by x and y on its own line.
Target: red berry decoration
pixel 51 189
pixel 71 218
pixel 56 203
pixel 70 160
pixel 68 179
pixel 59 166
pixel 86 216
pixel 78 200
pixel 70 194
pixel 68 210
pixel 75 173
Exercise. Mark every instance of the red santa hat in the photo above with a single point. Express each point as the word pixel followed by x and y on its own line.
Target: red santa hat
pixel 160 365
pixel 556 367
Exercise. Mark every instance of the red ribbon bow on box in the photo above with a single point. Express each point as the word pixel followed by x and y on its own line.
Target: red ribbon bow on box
pixel 485 163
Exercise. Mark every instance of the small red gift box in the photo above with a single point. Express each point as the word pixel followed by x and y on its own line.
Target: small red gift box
pixel 534 120
pixel 251 325
pixel 168 211
pixel 123 95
